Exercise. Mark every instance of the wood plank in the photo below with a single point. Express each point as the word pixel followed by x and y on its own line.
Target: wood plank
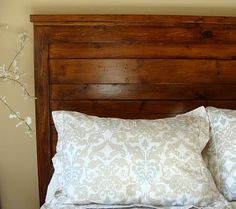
pixel 124 109
pixel 137 106
pixel 42 110
pixel 157 19
pixel 75 71
pixel 151 33
pixel 141 50
pixel 142 91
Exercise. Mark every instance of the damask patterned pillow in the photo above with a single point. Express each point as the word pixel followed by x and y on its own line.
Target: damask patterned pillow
pixel 222 150
pixel 117 161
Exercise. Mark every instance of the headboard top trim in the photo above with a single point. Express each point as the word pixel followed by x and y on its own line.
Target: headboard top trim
pixel 170 19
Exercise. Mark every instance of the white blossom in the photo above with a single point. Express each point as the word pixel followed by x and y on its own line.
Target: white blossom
pixel 19 124
pixel 12 73
pixel 28 120
pixel 12 115
pixel 17 77
pixel 22 38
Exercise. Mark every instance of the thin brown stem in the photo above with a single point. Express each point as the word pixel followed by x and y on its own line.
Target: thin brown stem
pixel 16 55
pixel 16 114
pixel 19 83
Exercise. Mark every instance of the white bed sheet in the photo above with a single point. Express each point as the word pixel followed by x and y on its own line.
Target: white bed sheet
pixel 59 198
pixel 230 206
pixel 55 199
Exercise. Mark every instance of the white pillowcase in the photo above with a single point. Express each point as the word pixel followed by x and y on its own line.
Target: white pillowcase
pixel 222 150
pixel 117 161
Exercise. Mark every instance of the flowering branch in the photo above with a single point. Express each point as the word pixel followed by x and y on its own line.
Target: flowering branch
pixel 12 73
pixel 13 114
pixel 15 75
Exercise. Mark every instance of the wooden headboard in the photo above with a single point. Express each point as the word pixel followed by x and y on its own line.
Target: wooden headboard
pixel 128 66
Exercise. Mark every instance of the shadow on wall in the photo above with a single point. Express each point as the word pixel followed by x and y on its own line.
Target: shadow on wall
pixel 137 9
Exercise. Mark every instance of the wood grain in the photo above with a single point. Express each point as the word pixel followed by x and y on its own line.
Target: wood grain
pixel 136 109
pixel 142 92
pixel 151 33
pixel 76 71
pixel 152 106
pixel 130 19
pixel 146 50
pixel 42 110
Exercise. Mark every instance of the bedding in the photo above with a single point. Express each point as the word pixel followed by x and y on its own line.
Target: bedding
pixel 228 205
pixel 116 161
pixel 221 152
pixel 58 203
pixel 59 198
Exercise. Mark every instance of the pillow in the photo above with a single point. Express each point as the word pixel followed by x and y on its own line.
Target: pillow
pixel 222 150
pixel 117 161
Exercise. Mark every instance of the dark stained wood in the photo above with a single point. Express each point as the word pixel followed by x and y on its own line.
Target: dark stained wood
pixel 136 109
pixel 142 91
pixel 42 110
pixel 151 33
pixel 128 66
pixel 135 106
pixel 72 71
pixel 157 19
pixel 141 50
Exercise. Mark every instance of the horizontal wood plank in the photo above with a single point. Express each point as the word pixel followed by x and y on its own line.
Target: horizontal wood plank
pixel 142 92
pixel 72 71
pixel 153 33
pixel 136 109
pixel 141 50
pixel 157 19
pixel 144 107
